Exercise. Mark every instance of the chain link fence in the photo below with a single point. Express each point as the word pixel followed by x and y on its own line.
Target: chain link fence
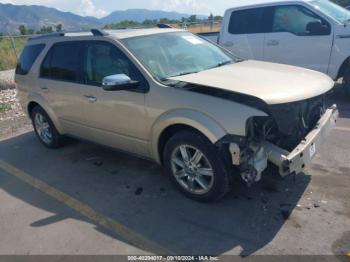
pixel 202 27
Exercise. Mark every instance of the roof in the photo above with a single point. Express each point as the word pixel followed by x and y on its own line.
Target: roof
pixel 128 33
pixel 238 3
pixel 117 34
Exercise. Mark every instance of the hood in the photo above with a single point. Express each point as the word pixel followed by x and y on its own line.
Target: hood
pixel 273 83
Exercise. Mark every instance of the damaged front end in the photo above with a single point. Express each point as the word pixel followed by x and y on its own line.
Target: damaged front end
pixel 288 137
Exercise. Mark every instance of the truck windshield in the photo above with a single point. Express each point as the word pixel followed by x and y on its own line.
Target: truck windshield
pixel 335 11
pixel 172 54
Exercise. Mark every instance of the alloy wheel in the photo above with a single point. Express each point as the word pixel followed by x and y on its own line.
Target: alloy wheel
pixel 43 129
pixel 192 169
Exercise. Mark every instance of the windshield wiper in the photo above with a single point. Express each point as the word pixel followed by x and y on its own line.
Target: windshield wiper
pixel 224 63
pixel 185 73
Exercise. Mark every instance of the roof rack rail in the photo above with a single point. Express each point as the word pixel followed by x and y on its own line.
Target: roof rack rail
pixel 98 32
pixel 58 34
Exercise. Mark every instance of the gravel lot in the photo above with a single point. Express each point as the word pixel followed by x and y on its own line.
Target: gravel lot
pixel 7 79
pixel 12 117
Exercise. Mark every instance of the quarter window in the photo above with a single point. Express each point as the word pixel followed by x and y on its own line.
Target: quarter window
pixel 62 62
pixel 28 57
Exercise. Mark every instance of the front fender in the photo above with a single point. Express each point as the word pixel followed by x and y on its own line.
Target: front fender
pixel 199 121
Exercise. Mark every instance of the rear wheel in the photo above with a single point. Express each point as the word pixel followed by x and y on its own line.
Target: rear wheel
pixel 45 129
pixel 346 81
pixel 196 167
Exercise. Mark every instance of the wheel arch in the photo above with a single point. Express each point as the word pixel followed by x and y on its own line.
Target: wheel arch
pixel 172 122
pixel 37 100
pixel 343 67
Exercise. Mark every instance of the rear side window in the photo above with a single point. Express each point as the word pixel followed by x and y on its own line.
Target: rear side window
pixel 62 62
pixel 28 57
pixel 250 21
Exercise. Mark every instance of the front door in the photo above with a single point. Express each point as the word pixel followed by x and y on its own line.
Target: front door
pixel 299 37
pixel 115 118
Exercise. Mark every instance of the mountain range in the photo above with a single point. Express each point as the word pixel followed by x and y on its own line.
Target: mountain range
pixel 35 17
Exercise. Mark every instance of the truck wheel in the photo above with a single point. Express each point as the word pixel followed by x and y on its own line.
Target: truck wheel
pixel 346 81
pixel 45 129
pixel 195 166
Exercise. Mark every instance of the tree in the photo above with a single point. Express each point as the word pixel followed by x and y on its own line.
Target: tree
pixel 211 17
pixel 192 19
pixel 122 24
pixel 218 18
pixel 45 30
pixel 30 31
pixel 148 22
pixel 59 28
pixel 22 29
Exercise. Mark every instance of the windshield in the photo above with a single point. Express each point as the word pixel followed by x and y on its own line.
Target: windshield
pixel 173 54
pixel 333 10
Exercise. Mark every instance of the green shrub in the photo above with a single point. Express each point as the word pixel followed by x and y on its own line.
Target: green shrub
pixel 4 107
pixel 8 59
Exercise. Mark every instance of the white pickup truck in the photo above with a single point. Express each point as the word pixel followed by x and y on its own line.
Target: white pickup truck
pixel 314 34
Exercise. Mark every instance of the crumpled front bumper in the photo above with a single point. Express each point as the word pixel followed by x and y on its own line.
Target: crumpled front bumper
pixel 295 161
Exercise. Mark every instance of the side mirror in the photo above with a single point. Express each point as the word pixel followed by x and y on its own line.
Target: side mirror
pixel 118 82
pixel 317 28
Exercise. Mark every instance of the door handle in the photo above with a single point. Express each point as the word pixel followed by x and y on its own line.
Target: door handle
pixel 44 88
pixel 91 99
pixel 228 44
pixel 273 43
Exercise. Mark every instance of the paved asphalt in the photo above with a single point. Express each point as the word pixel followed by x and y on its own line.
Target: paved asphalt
pixel 86 199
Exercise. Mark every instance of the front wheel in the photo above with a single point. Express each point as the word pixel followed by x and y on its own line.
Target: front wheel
pixel 196 167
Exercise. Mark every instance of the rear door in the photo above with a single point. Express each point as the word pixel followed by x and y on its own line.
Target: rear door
pixel 293 41
pixel 244 35
pixel 60 84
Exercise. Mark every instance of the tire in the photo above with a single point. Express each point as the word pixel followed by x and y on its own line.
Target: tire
pixel 206 177
pixel 44 129
pixel 346 81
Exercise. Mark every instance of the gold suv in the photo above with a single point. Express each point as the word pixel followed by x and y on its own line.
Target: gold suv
pixel 177 99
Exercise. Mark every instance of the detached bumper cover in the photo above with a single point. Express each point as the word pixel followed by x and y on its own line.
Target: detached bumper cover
pixel 295 161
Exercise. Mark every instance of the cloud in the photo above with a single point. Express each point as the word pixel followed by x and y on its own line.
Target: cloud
pixel 186 6
pixel 87 8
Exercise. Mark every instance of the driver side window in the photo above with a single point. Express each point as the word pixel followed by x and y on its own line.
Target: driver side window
pixel 298 20
pixel 103 59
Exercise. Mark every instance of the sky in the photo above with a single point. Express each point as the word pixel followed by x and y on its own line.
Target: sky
pixel 100 8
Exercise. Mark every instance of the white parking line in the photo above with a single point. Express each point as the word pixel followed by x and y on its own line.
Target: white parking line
pixel 126 233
